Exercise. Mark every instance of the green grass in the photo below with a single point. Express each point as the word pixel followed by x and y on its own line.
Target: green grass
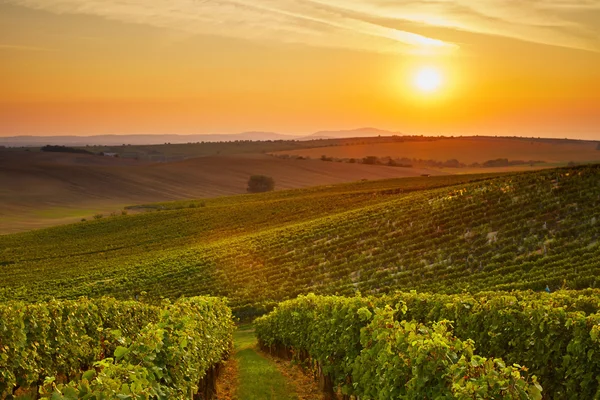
pixel 244 337
pixel 259 379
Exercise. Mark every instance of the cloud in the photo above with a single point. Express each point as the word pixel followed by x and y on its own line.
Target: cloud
pixel 23 48
pixel 553 22
pixel 351 23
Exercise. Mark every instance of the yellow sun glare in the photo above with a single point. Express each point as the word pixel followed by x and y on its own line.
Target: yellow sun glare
pixel 428 79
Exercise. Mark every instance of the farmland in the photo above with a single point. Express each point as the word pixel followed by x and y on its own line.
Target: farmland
pixel 467 150
pixel 299 200
pixel 441 234
pixel 395 259
pixel 45 189
pixel 40 189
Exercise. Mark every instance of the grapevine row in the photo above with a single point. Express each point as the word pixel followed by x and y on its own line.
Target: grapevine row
pixel 361 350
pixel 517 232
pixel 105 348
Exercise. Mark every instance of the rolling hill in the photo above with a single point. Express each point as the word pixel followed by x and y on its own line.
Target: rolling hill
pixel 446 234
pixel 44 189
pixel 467 150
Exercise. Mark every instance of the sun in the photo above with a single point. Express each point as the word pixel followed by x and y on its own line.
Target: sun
pixel 428 79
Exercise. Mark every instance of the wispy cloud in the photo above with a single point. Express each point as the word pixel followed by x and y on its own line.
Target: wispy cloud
pixel 351 23
pixel 23 48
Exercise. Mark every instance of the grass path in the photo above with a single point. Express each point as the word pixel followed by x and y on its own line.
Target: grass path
pixel 252 375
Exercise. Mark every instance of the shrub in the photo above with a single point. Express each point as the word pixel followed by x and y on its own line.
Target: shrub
pixel 64 149
pixel 260 183
pixel 371 160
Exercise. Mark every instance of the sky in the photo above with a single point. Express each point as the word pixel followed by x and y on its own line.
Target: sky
pixel 502 67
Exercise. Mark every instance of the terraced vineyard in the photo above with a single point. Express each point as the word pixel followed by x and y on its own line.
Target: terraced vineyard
pixel 439 234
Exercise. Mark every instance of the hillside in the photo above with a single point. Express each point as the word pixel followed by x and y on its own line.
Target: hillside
pixel 44 189
pixel 466 150
pixel 441 234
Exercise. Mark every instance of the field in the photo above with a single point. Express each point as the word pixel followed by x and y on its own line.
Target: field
pixel 293 200
pixel 40 189
pixel 358 282
pixel 522 231
pixel 45 189
pixel 467 150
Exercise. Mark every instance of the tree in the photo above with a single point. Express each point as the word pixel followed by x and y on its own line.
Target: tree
pixel 371 160
pixel 64 149
pixel 260 183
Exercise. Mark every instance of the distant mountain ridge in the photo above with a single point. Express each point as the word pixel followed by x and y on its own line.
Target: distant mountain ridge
pixel 153 139
pixel 115 140
pixel 352 133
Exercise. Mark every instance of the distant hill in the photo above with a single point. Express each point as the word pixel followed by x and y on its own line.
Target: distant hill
pixel 353 133
pixel 115 140
pixel 467 150
pixel 47 188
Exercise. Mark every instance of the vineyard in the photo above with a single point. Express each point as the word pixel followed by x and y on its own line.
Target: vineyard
pixel 423 287
pixel 366 346
pixel 439 234
pixel 108 255
pixel 106 349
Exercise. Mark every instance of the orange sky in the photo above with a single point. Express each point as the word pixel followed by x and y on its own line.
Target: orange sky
pixel 87 67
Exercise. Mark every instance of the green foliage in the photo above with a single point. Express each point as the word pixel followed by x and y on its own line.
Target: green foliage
pixel 173 253
pixel 369 354
pixel 556 336
pixel 260 184
pixel 410 360
pixel 108 349
pixel 113 381
pixel 513 232
pixel 552 334
pixel 439 234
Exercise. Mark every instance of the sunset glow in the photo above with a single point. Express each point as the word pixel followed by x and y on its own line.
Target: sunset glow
pixel 428 79
pixel 83 67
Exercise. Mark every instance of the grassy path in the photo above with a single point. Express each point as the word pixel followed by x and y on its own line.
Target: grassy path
pixel 256 377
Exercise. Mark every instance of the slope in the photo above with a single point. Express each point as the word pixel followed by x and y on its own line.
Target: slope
pixel 467 150
pixel 442 234
pixel 44 189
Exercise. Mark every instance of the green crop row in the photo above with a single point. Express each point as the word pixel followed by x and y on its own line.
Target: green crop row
pixel 101 257
pixel 363 351
pixel 523 231
pixel 104 349
pixel 556 335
